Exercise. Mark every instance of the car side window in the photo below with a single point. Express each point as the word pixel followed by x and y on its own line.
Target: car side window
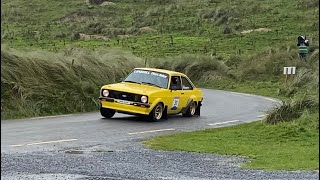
pixel 186 84
pixel 175 83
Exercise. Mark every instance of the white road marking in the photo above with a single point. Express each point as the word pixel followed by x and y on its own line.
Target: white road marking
pixel 159 130
pixel 45 142
pixel 271 99
pixel 252 95
pixel 43 117
pixel 261 116
pixel 241 94
pixel 226 122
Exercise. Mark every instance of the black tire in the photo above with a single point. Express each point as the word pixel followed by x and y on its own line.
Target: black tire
pixel 191 110
pixel 157 112
pixel 107 113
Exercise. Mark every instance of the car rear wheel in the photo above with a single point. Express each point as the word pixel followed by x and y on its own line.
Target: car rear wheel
pixel 156 113
pixel 191 110
pixel 107 113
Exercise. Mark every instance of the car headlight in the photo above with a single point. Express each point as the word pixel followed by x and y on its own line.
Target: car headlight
pixel 105 93
pixel 144 99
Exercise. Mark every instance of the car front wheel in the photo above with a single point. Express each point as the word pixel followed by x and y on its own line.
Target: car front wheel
pixel 156 113
pixel 107 113
pixel 191 110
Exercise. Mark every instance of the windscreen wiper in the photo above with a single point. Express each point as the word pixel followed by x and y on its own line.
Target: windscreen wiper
pixel 132 81
pixel 151 84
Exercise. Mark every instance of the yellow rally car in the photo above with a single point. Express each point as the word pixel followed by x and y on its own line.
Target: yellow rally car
pixel 155 93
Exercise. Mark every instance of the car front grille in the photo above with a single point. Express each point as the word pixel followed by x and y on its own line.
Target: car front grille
pixel 124 96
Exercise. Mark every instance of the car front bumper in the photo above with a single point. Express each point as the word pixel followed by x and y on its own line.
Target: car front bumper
pixel 125 106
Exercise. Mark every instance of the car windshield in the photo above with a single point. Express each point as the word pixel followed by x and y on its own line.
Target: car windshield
pixel 149 78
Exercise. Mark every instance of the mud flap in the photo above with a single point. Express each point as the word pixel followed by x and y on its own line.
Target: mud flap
pixel 198 109
pixel 165 113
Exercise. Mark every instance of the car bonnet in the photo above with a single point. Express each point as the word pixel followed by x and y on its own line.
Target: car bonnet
pixel 135 88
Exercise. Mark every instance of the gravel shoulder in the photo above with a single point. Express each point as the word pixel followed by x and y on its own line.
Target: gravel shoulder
pixel 130 160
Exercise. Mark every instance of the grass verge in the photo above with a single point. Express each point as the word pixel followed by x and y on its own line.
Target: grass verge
pixel 286 146
pixel 40 83
pixel 266 88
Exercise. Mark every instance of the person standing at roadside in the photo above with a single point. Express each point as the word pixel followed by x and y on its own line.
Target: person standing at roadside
pixel 303 44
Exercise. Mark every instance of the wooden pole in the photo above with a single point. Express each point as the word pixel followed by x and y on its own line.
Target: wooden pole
pixel 286 79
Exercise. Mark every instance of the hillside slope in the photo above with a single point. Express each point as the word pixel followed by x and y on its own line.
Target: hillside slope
pixel 231 45
pixel 155 28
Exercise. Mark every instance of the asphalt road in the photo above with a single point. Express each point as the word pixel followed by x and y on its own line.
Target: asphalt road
pixel 86 146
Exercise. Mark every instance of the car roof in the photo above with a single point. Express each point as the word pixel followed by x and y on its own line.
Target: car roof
pixel 163 71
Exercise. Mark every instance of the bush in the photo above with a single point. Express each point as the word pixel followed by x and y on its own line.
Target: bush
pixel 305 81
pixel 42 83
pixel 227 30
pixel 293 109
pixel 197 68
pixel 269 64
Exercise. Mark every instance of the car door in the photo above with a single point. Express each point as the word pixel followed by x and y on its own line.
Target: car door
pixel 176 96
pixel 187 89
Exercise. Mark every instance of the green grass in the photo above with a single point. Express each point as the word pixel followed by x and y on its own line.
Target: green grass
pixel 196 26
pixel 268 88
pixel 287 146
pixel 39 83
pixel 188 32
pixel 44 83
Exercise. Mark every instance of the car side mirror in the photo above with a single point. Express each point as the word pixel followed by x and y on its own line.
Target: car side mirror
pixel 121 79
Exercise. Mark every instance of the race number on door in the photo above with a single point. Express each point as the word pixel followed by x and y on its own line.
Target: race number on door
pixel 175 103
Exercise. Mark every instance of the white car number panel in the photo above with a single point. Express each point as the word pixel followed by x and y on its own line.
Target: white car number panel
pixel 175 103
pixel 123 101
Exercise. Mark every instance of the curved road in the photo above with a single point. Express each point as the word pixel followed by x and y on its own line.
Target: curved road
pixel 86 146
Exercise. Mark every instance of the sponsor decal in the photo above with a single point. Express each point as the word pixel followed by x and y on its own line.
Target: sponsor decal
pixel 175 103
pixel 151 73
